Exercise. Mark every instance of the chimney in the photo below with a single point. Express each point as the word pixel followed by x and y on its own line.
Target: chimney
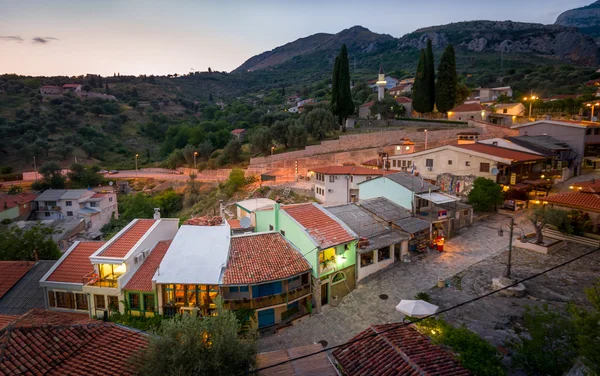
pixel 156 213
pixel 276 208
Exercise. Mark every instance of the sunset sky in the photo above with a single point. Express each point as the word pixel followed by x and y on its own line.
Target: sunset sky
pixel 159 37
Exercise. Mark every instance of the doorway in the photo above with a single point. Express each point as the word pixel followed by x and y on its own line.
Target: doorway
pixel 324 293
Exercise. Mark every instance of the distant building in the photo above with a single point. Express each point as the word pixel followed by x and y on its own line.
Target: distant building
pixel 364 111
pixel 486 94
pixel 469 111
pixel 50 90
pixel 16 206
pixel 74 88
pixel 239 133
pixel 401 89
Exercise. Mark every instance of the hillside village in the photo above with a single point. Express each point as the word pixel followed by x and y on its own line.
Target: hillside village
pixel 381 221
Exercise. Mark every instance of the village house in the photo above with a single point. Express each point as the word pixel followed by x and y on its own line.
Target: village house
pixel 267 274
pixel 445 212
pixel 484 94
pixel 247 208
pixel 15 207
pixel 581 136
pixel 469 111
pixel 73 88
pixel 364 111
pixel 507 114
pixel 339 184
pixel 50 90
pixel 401 89
pixel 96 208
pixel 378 242
pixel 584 198
pixel 239 134
pixel 326 243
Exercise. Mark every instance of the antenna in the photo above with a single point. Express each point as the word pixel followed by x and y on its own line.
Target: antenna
pixel 245 222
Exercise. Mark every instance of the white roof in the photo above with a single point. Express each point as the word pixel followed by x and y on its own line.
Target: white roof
pixel 438 197
pixel 255 203
pixel 197 256
pixel 555 122
pixel 504 143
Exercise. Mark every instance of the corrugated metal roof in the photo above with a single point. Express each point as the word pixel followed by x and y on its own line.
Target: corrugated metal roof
pixel 412 224
pixel 51 195
pixel 411 182
pixel 385 209
pixel 516 156
pixel 27 293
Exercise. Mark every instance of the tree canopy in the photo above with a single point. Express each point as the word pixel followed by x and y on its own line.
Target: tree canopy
pixel 388 108
pixel 36 242
pixel 342 104
pixel 446 85
pixel 430 76
pixel 319 123
pixel 485 194
pixel 420 94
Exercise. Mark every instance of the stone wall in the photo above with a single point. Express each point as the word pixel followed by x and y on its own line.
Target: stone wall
pixel 382 124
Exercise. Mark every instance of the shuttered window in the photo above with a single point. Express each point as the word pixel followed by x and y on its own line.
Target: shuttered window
pixel 99 302
pixel 82 302
pixel 65 300
pixel 51 300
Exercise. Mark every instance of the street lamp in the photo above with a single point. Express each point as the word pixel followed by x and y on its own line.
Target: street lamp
pixel 272 149
pixel 195 155
pixel 506 274
pixel 425 139
pixel 530 99
pixel 592 105
pixel 136 158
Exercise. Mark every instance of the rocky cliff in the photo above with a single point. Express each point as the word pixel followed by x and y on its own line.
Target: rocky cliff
pixel 583 17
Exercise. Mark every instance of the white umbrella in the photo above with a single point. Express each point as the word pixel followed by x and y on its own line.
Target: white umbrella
pixel 416 308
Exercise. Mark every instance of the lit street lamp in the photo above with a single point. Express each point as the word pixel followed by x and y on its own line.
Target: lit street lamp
pixel 530 99
pixel 272 149
pixel 592 105
pixel 195 154
pixel 136 158
pixel 425 139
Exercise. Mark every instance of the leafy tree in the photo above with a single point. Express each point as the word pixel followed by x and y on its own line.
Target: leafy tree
pixel 430 76
pixel 388 108
pixel 361 92
pixel 319 123
pixel 52 176
pixel 18 244
pixel 15 190
pixel 169 202
pixel 205 148
pixel 462 93
pixel 485 195
pixel 188 154
pixel 261 139
pixel 445 91
pixel 203 346
pixel 175 159
pixel 133 104
pixel 550 346
pixel 587 323
pixel 279 130
pixel 97 110
pixel 342 104
pixel 420 92
pixel 90 148
pixel 297 135
pixel 63 149
pixel 85 176
pixel 232 152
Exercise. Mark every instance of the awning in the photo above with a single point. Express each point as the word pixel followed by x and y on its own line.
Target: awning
pixel 88 211
pixel 383 240
pixel 520 187
pixel 416 308
pixel 438 197
pixel 537 182
pixel 412 225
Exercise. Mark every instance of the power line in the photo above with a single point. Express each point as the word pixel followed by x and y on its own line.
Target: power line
pixel 432 315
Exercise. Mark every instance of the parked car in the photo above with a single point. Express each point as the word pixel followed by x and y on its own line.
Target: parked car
pixel 112 172
pixel 103 171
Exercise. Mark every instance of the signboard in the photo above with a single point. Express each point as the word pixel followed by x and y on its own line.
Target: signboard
pixel 513 179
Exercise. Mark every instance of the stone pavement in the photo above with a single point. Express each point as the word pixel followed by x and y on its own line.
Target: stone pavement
pixel 363 306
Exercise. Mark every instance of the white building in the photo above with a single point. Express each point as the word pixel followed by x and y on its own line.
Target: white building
pixel 469 111
pixel 96 208
pixel 334 185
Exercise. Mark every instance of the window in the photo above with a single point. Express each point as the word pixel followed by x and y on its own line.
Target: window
pixel 472 117
pixel 149 302
pixel 484 167
pixel 409 163
pixel 366 259
pixel 99 302
pixel 69 214
pixel 596 130
pixel 449 162
pixel 134 300
pixel 338 277
pixel 271 227
pixel 351 179
pixel 429 163
pixel 110 199
pixel 505 111
pixel 47 214
pixel 234 289
pixel 113 303
pixel 468 163
pixel 403 163
pixel 244 289
pixel 282 232
pixel 93 204
pixel 69 203
pixel 383 254
pixel 81 301
pixel 394 163
pixel 51 299
pixel 331 178
pixel 588 131
pixel 64 300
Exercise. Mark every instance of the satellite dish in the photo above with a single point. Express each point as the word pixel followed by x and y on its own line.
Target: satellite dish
pixel 110 183
pixel 245 222
pixel 494 171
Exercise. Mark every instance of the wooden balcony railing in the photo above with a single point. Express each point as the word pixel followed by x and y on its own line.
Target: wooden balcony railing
pixel 92 279
pixel 267 301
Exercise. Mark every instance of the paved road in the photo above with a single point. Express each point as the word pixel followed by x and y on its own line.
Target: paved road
pixel 131 174
pixel 363 306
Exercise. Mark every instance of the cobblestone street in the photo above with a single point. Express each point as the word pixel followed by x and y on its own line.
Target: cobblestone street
pixel 363 306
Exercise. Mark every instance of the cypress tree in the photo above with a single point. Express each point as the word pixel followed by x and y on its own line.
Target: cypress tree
pixel 430 75
pixel 445 90
pixel 420 98
pixel 342 104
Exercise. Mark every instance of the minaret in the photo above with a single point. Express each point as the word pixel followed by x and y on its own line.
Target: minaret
pixel 381 83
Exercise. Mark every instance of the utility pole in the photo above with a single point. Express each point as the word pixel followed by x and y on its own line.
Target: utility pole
pixel 136 165
pixel 510 241
pixel 195 154
pixel 425 139
pixel 35 168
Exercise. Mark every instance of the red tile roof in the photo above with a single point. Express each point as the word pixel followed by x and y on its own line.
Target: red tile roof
pixel 594 184
pixel 10 201
pixel 318 364
pixel 76 264
pixel 207 220
pixel 142 279
pixel 71 85
pixel 516 156
pixel 11 272
pixel 52 347
pixel 372 162
pixel 261 258
pixel 401 351
pixel 6 319
pixel 41 317
pixel 237 131
pixel 325 230
pixel 400 100
pixel 585 199
pixel 234 224
pixel 467 107
pixel 123 244
pixel 348 170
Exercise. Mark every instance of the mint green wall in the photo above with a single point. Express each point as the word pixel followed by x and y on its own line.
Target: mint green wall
pixel 350 257
pixel 264 218
pixel 382 187
pixel 11 213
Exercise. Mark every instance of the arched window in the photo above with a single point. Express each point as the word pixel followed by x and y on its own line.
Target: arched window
pixel 338 277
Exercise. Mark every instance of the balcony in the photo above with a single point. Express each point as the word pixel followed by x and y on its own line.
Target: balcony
pixel 92 279
pixel 267 301
pixel 48 208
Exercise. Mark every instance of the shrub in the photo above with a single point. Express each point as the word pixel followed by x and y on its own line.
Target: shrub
pixel 423 296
